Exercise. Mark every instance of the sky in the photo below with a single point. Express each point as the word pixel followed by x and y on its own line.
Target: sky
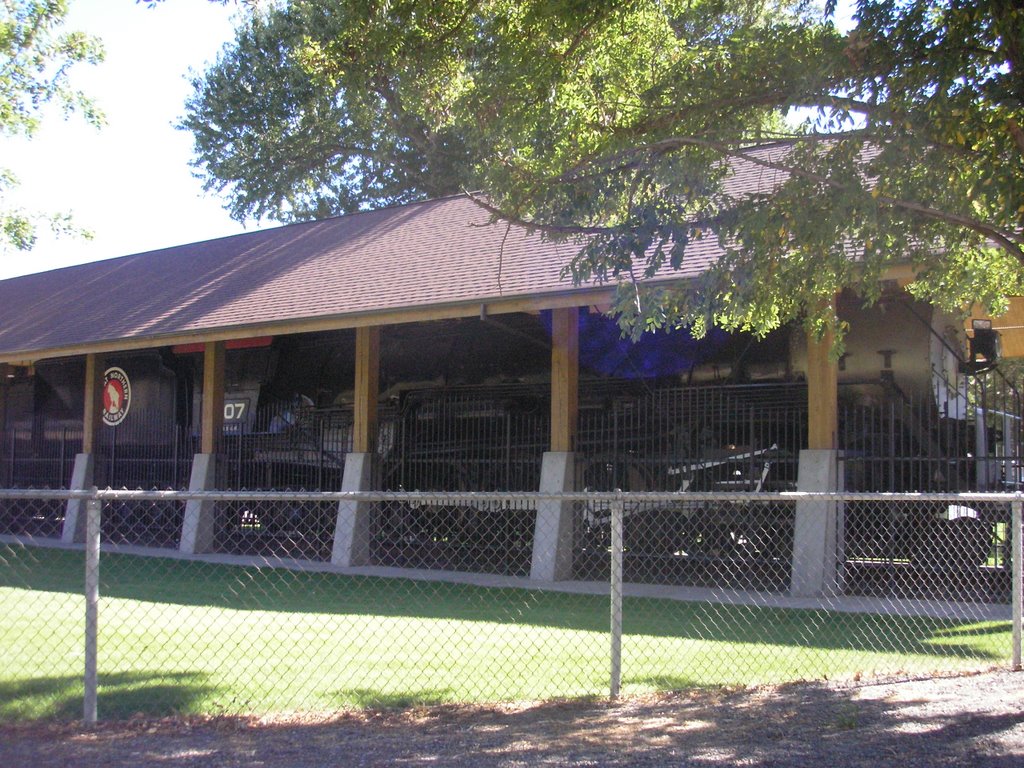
pixel 128 182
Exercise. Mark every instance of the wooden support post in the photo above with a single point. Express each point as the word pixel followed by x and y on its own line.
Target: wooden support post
pixel 565 372
pixel 93 411
pixel 351 545
pixel 822 393
pixel 367 390
pixel 197 529
pixel 213 396
pixel 553 530
pixel 83 475
pixel 5 385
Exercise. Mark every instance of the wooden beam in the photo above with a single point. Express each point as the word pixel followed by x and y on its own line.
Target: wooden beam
pixel 565 373
pixel 6 374
pixel 213 396
pixel 367 390
pixel 93 412
pixel 822 393
pixel 499 306
pixel 495 305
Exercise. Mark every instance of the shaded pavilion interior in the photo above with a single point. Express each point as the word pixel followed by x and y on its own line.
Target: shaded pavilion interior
pixel 473 389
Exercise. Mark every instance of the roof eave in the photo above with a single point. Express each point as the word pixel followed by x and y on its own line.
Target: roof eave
pixel 486 305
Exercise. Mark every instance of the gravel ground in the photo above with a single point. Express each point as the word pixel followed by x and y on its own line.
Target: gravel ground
pixel 975 721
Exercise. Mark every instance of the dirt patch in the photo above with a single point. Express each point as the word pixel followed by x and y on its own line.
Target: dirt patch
pixel 973 721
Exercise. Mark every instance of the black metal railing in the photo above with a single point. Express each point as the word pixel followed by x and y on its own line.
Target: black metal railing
pixel 467 439
pixel 692 438
pixel 894 441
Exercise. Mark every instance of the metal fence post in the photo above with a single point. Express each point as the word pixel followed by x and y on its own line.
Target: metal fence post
pixel 93 507
pixel 1018 555
pixel 616 599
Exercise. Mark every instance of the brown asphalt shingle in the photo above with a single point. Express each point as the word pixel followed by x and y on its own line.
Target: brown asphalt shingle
pixel 440 252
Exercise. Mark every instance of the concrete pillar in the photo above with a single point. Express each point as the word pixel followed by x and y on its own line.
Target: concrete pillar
pixel 197 528
pixel 74 513
pixel 552 537
pixel 352 529
pixel 818 528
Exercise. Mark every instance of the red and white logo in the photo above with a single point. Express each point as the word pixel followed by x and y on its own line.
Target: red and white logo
pixel 117 396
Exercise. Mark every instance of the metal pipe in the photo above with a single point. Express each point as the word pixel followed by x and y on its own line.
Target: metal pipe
pixel 62 461
pixel 508 451
pixel 112 467
pixel 321 448
pixel 525 497
pixel 1018 554
pixel 92 594
pixel 616 599
pixel 240 479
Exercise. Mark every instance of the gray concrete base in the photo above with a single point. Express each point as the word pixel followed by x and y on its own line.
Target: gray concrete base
pixel 818 528
pixel 552 537
pixel 74 513
pixel 197 529
pixel 352 530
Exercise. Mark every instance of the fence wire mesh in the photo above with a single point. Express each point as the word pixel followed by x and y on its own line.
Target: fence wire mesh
pixel 319 602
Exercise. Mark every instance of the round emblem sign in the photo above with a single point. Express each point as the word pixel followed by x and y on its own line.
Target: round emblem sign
pixel 117 396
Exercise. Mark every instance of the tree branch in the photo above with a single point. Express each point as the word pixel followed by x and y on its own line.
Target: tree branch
pixel 556 229
pixel 1009 241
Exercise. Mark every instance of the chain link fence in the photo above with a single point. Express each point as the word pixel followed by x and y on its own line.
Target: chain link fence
pixel 394 599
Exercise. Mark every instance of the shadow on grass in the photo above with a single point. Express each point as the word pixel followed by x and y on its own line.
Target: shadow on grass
pixel 120 695
pixel 372 698
pixel 192 583
pixel 976 630
pixel 669 683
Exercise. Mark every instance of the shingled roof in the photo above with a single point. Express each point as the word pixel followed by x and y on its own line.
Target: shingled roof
pixel 432 259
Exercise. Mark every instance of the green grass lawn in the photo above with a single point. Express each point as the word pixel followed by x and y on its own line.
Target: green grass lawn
pixel 178 636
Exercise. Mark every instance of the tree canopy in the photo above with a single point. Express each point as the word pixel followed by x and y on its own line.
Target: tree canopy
pixel 36 56
pixel 284 138
pixel 619 123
